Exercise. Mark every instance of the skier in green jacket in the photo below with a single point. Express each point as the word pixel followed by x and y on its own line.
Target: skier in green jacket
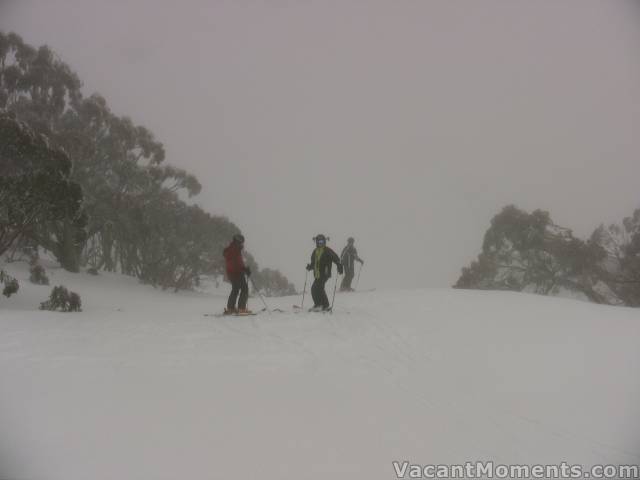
pixel 322 259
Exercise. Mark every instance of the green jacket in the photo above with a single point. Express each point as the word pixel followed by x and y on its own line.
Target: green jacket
pixel 321 260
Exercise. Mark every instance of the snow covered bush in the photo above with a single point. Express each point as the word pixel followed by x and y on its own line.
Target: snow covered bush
pixel 63 300
pixel 38 275
pixel 272 283
pixel 11 285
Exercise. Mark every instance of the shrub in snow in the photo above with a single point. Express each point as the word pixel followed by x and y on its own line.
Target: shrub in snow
pixel 273 283
pixel 38 275
pixel 11 285
pixel 63 300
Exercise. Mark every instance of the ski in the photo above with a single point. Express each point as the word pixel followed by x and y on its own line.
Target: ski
pixel 298 309
pixel 357 291
pixel 218 315
pixel 264 310
pixel 274 310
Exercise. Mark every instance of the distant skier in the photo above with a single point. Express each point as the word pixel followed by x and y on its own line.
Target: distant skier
pixel 348 259
pixel 322 258
pixel 236 271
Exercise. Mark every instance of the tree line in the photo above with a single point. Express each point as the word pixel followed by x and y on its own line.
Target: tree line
pixel 528 252
pixel 93 188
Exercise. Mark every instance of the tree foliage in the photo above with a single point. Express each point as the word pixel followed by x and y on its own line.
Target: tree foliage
pixel 528 252
pixel 125 206
pixel 269 282
pixel 37 196
pixel 621 265
pixel 272 283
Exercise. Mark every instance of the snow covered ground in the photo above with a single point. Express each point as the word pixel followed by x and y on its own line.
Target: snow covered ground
pixel 142 386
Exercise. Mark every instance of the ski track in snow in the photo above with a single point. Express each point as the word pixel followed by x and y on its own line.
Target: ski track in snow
pixel 142 385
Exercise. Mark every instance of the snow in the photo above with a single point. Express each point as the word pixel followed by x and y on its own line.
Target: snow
pixel 141 385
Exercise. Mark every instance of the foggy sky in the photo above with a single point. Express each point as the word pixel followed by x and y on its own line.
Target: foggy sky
pixel 406 124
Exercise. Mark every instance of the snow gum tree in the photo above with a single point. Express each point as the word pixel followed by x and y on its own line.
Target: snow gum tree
pixel 621 265
pixel 38 199
pixel 125 208
pixel 527 252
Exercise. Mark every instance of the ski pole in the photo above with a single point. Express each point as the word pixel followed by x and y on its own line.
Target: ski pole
pixel 260 294
pixel 335 287
pixel 358 279
pixel 306 277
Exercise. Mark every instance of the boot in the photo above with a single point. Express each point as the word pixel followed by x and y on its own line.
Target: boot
pixel 230 311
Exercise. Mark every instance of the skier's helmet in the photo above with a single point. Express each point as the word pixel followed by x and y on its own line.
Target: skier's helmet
pixel 350 240
pixel 238 238
pixel 321 240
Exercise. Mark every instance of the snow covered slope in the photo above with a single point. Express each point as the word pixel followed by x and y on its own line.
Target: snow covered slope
pixel 142 386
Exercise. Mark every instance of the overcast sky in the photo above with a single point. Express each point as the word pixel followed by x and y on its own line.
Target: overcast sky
pixel 406 124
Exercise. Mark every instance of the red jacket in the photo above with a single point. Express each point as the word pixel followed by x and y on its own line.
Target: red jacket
pixel 233 258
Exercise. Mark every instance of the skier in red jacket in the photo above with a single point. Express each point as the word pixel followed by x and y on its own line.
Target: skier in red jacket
pixel 236 271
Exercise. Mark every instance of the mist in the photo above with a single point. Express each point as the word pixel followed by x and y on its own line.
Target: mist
pixel 406 125
pixel 168 309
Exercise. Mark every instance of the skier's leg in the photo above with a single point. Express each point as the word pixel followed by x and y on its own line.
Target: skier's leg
pixel 324 300
pixel 315 292
pixel 244 293
pixel 344 286
pixel 233 296
pixel 348 278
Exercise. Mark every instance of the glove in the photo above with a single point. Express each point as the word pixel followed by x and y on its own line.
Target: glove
pixel 247 270
pixel 309 267
pixel 340 269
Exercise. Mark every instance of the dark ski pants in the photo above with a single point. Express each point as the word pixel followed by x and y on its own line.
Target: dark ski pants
pixel 346 280
pixel 238 286
pixel 318 294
